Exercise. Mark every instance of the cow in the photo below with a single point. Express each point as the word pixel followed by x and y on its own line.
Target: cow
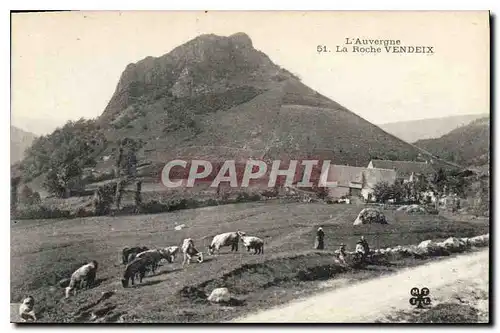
pixel 189 251
pixel 137 267
pixel 225 239
pixel 255 243
pixel 153 257
pixel 127 251
pixel 83 277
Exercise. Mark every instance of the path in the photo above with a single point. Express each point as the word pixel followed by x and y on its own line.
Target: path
pixel 375 299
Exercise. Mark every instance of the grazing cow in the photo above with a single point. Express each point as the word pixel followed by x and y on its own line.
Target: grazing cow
pixel 127 251
pixel 254 243
pixel 26 309
pixel 153 257
pixel 171 252
pixel 225 239
pixel 82 277
pixel 137 267
pixel 190 251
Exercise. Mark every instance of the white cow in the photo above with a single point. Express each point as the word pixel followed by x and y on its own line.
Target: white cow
pixel 170 251
pixel 82 277
pixel 189 251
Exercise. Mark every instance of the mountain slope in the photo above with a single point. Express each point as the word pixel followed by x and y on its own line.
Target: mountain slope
pixel 411 131
pixel 466 145
pixel 19 141
pixel 218 97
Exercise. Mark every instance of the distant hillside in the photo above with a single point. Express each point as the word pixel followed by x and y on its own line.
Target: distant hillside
pixel 411 131
pixel 19 141
pixel 467 145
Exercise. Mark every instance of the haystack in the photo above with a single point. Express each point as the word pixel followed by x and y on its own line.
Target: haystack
pixel 370 215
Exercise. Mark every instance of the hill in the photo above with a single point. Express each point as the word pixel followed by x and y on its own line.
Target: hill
pixel 219 97
pixel 411 131
pixel 214 98
pixel 467 145
pixel 20 140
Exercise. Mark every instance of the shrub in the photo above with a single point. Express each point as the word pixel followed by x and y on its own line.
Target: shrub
pixel 29 197
pixel 104 198
pixel 242 197
pixel 153 207
pixel 82 212
pixel 40 212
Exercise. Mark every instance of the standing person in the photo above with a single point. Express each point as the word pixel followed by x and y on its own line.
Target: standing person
pixel 342 254
pixel 319 244
pixel 362 248
pixel 365 245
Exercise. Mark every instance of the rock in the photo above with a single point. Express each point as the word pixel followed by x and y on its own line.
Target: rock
pixel 415 209
pixel 465 240
pixel 219 295
pixel 64 282
pixel 427 247
pixel 479 241
pixel 452 244
pixel 370 215
pixel 180 227
pixel 427 244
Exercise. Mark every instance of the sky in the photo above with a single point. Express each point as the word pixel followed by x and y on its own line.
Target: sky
pixel 66 65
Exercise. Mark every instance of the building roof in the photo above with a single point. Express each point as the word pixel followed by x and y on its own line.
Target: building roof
pixel 374 176
pixel 349 176
pixel 404 168
pixel 344 175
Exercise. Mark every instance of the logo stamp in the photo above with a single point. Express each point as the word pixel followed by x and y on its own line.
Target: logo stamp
pixel 420 297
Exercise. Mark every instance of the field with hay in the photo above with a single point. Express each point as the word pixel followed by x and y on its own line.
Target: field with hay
pixel 45 251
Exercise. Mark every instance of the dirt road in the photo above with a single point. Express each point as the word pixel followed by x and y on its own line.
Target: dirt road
pixel 464 278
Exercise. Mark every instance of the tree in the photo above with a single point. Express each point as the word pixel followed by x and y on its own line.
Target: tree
pixel 14 183
pixel 63 154
pixel 29 197
pixel 398 192
pixel 438 184
pixel 137 197
pixel 126 164
pixel 382 192
pixel 103 198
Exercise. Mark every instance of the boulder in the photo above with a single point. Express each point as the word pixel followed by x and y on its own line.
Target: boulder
pixel 415 209
pixel 220 295
pixel 431 248
pixel 479 241
pixel 464 240
pixel 370 215
pixel 426 244
pixel 180 227
pixel 402 208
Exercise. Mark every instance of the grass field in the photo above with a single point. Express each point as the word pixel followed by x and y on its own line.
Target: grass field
pixel 45 251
